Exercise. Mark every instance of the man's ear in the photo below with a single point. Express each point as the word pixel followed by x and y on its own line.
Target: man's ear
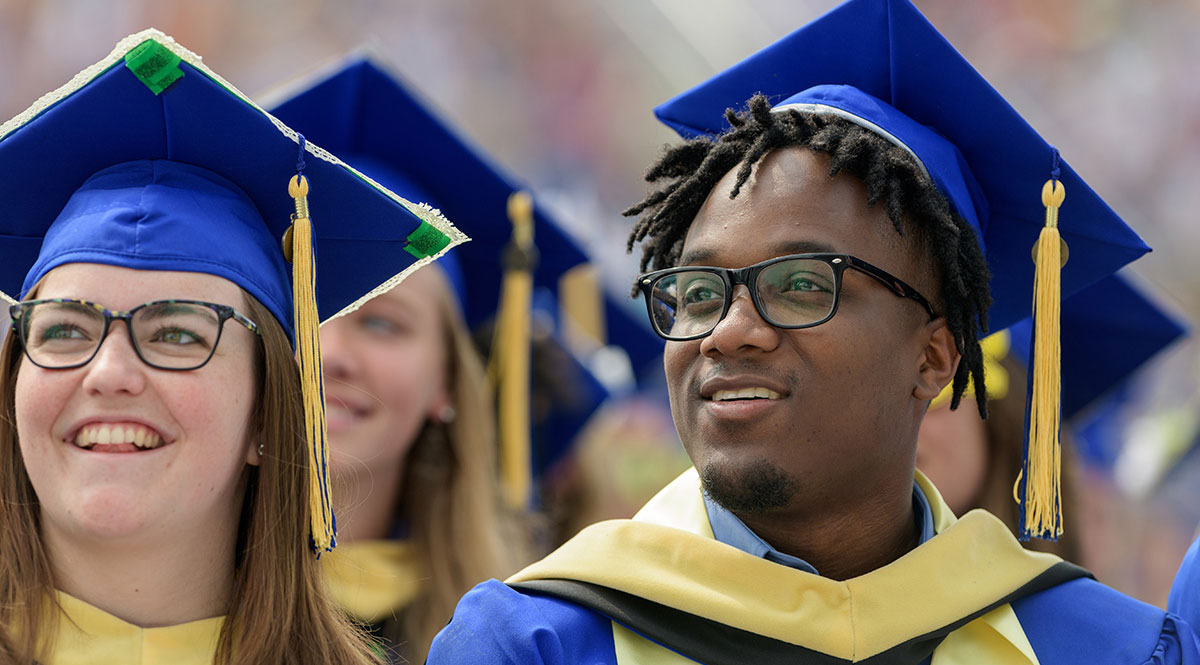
pixel 939 360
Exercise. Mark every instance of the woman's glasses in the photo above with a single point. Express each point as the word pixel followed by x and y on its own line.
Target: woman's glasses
pixel 64 333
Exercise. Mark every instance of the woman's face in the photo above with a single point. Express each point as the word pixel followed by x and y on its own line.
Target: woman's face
pixel 385 373
pixel 200 418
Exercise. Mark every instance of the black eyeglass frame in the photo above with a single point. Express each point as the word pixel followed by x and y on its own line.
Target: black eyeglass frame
pixel 224 313
pixel 749 276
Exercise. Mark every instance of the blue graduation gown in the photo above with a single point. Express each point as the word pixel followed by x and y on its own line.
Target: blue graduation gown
pixel 1184 600
pixel 1075 621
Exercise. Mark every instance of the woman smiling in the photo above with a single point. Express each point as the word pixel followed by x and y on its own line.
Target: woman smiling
pixel 162 453
pixel 411 425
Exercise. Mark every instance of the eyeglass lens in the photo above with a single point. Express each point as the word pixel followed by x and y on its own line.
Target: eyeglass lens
pixel 168 335
pixel 796 292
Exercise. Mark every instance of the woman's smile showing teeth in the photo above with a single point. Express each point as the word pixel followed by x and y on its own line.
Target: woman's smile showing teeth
pixel 117 438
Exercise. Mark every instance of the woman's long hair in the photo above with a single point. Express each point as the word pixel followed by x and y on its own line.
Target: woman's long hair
pixel 451 500
pixel 278 612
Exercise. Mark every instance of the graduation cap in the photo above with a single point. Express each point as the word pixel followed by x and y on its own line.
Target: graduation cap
pixel 149 160
pixel 1100 351
pixel 881 65
pixel 1109 330
pixel 569 394
pixel 361 111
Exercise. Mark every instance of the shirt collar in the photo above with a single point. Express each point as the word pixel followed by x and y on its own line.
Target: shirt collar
pixel 731 530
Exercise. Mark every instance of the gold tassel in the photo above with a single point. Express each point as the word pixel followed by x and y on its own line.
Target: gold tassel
pixel 581 300
pixel 510 356
pixel 308 355
pixel 1043 490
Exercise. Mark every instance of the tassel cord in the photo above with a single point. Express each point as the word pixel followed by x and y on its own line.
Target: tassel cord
pixel 1042 472
pixel 308 356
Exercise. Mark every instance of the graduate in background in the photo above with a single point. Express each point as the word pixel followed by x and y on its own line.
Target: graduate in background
pixel 412 425
pixel 823 264
pixel 413 447
pixel 975 462
pixel 165 495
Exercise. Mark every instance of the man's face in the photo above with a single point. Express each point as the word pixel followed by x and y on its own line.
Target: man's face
pixel 844 422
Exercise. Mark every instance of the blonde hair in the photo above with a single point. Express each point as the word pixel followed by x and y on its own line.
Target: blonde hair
pixel 451 499
pixel 278 612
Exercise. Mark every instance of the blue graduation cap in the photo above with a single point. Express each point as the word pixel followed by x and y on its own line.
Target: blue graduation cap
pixel 881 65
pixel 364 114
pixel 1109 330
pixel 1100 351
pixel 149 160
pixel 569 391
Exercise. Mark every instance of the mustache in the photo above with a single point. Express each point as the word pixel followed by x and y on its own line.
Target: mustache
pixel 755 368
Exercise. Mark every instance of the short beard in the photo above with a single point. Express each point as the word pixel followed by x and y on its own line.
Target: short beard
pixel 751 489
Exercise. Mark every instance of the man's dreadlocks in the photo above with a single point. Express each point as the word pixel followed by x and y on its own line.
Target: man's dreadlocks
pixel 692 169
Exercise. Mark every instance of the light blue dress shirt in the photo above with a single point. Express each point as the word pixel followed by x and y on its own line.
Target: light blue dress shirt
pixel 729 529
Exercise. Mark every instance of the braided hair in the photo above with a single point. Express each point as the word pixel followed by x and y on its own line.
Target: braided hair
pixel 692 169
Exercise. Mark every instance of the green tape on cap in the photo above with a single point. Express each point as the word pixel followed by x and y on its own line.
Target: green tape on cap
pixel 426 241
pixel 154 64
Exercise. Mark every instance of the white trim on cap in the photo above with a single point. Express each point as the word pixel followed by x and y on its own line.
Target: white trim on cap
pixel 825 109
pixel 422 211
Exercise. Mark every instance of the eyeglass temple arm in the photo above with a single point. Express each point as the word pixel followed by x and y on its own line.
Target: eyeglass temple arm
pixel 896 285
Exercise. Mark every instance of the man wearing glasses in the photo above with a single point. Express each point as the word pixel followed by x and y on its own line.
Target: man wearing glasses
pixel 821 270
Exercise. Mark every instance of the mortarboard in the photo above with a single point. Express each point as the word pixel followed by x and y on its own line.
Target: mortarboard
pixel 149 160
pixel 1109 330
pixel 880 64
pixel 366 117
pixel 982 154
pixel 1100 352
pixel 362 111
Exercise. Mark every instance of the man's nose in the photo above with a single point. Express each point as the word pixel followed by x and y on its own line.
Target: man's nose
pixel 742 329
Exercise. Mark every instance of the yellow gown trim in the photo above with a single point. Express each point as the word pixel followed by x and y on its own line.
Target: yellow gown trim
pixel 91 636
pixel 667 554
pixel 373 580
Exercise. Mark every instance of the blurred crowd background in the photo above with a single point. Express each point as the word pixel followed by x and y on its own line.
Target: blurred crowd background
pixel 560 93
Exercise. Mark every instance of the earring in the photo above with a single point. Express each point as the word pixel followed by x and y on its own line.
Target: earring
pixel 260 450
pixel 446 414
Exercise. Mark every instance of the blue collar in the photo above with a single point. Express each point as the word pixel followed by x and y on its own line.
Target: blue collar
pixel 732 531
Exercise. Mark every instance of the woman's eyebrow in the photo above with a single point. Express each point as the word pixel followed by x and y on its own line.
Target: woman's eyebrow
pixel 162 309
pixel 76 307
